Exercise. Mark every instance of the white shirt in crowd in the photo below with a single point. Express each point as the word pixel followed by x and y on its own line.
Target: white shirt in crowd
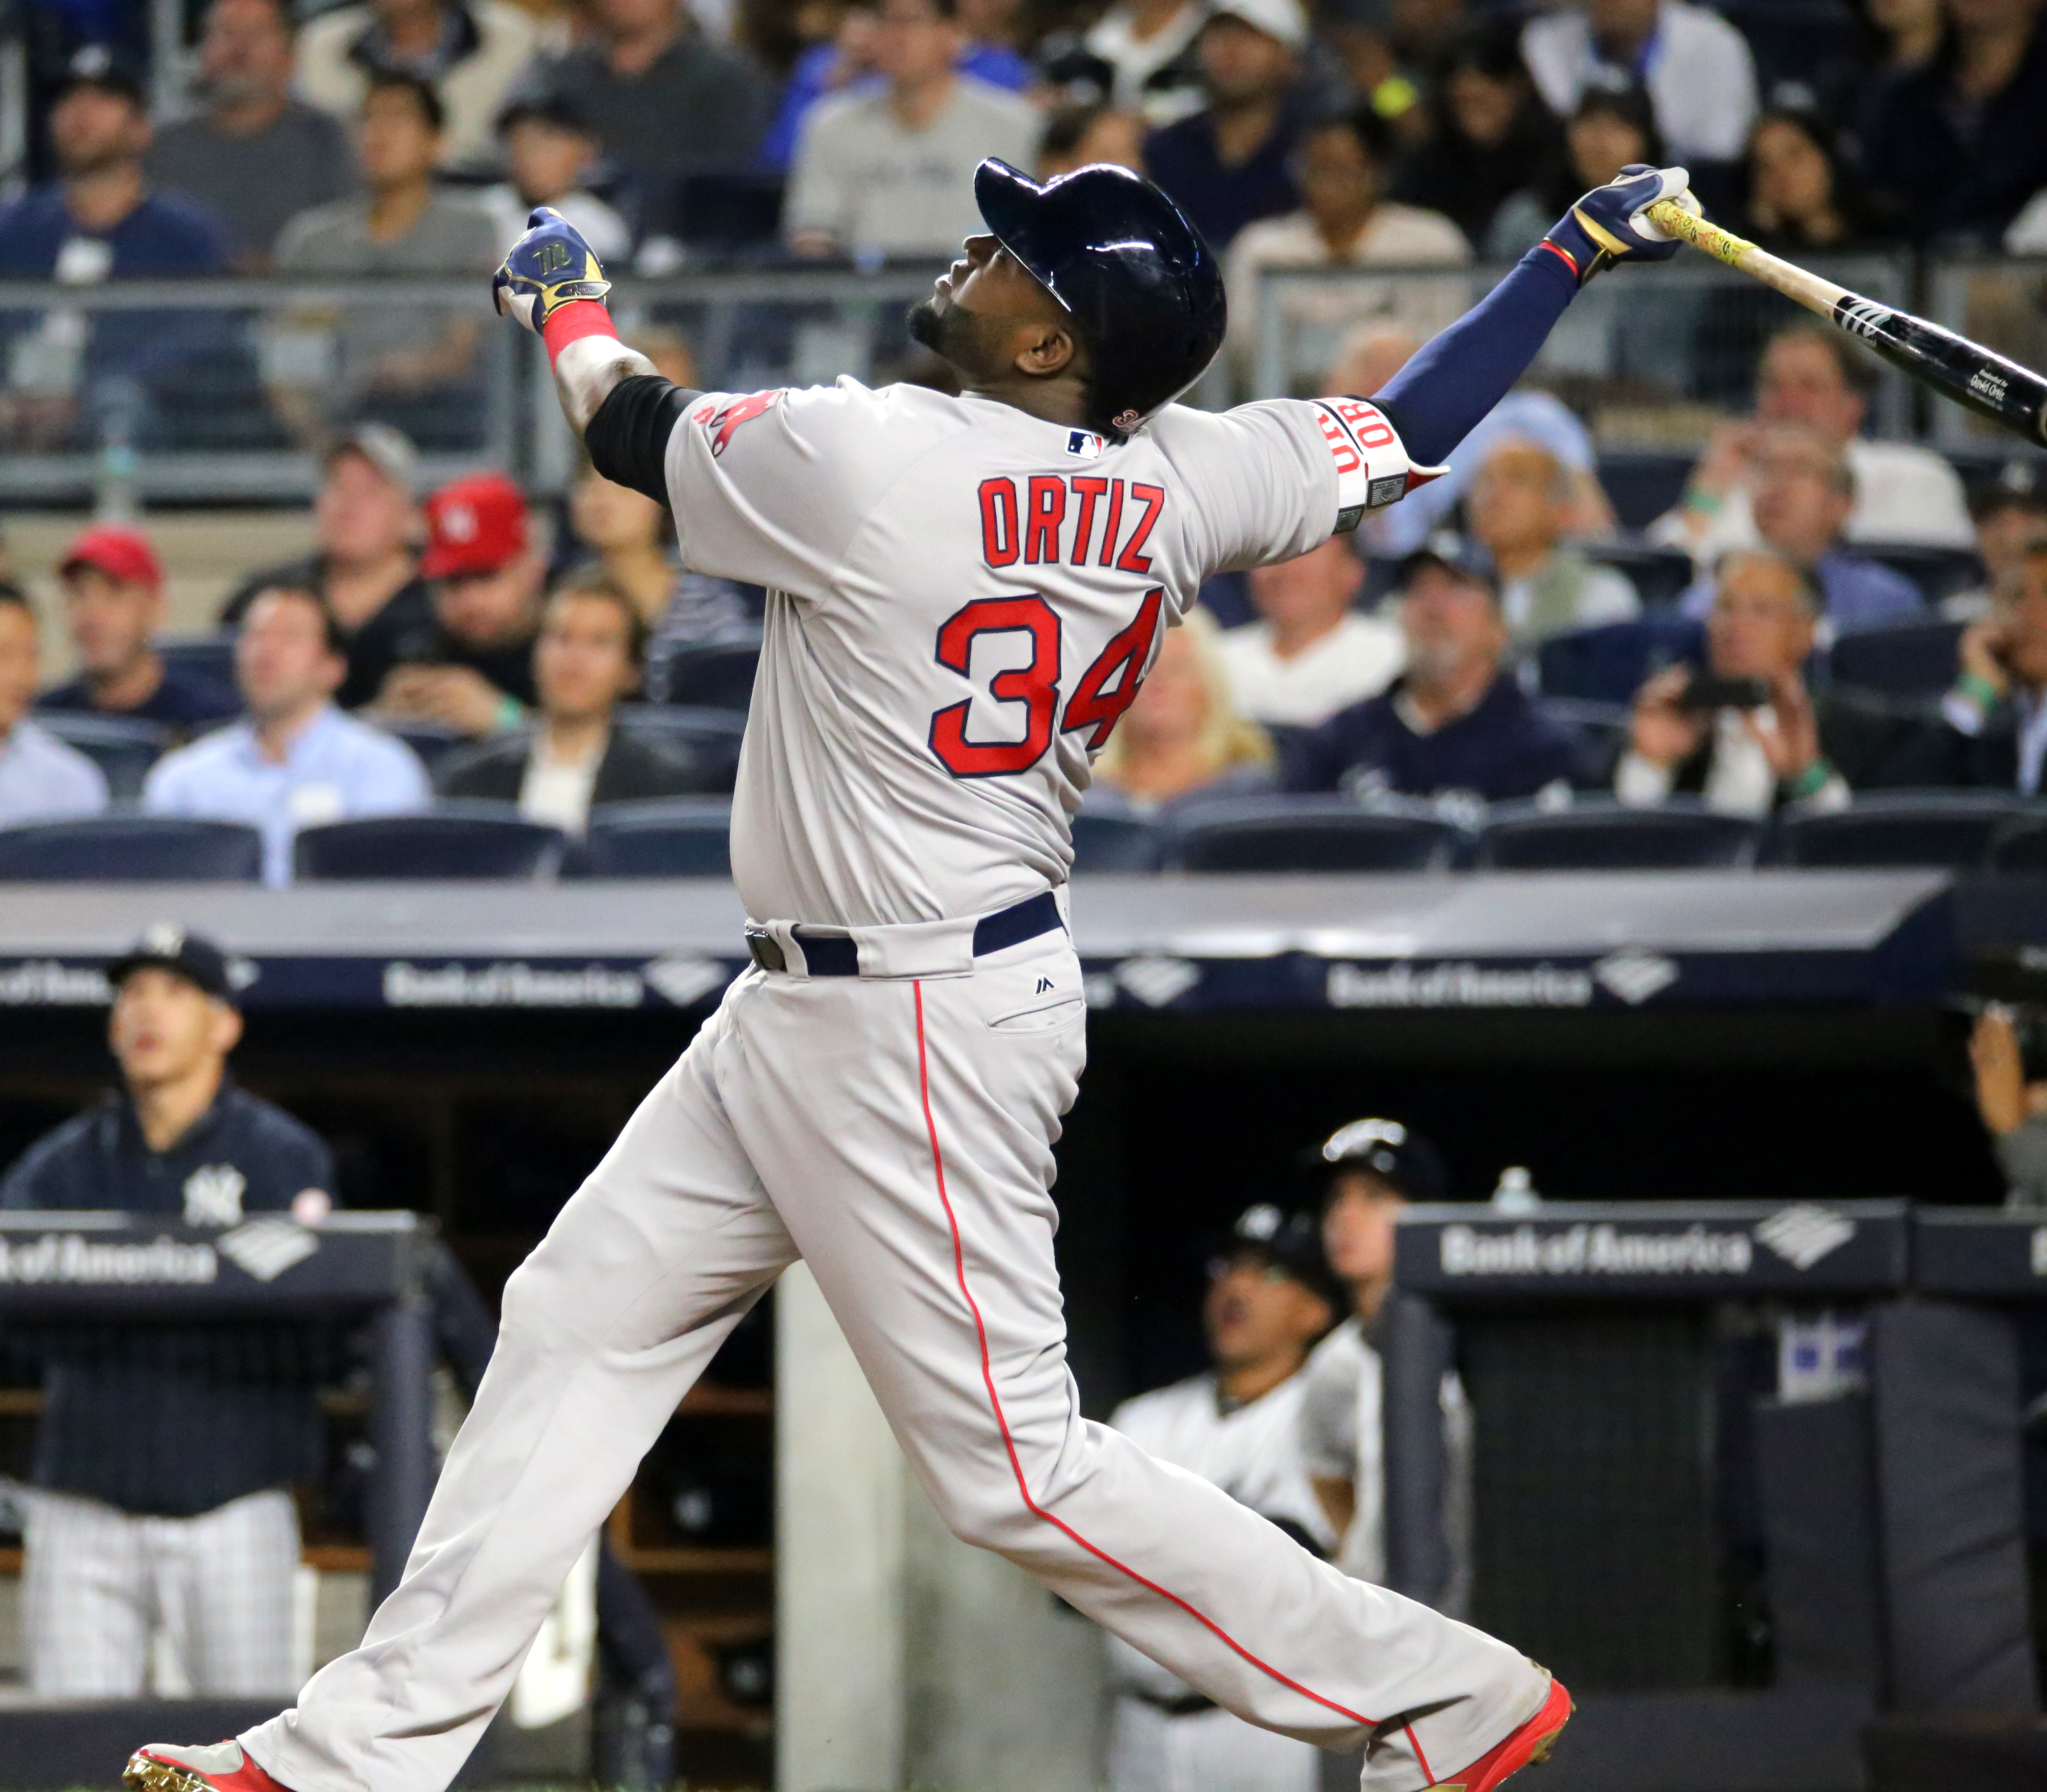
pixel 880 189
pixel 557 792
pixel 1605 596
pixel 42 778
pixel 1136 60
pixel 609 237
pixel 1904 495
pixel 1697 68
pixel 338 768
pixel 1356 659
pixel 1253 1454
pixel 1739 780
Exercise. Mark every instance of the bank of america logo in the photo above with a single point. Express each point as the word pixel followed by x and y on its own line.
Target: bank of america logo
pixel 1802 1235
pixel 266 1248
pixel 1863 317
pixel 1634 977
pixel 1155 981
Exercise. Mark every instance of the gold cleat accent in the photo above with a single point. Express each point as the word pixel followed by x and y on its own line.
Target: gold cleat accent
pixel 144 1773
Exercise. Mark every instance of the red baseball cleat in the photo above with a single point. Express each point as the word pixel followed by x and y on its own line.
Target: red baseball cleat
pixel 216 1766
pixel 1528 1744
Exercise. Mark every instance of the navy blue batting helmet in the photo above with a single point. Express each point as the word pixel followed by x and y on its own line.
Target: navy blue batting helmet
pixel 1138 280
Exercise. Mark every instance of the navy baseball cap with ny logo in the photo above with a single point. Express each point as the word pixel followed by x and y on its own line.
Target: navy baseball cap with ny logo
pixel 192 956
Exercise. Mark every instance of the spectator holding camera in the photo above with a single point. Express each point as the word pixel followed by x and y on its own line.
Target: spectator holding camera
pixel 2011 1100
pixel 41 778
pixel 164 1453
pixel 1995 717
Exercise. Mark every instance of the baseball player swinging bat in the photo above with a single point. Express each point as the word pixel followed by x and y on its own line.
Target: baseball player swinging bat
pixel 1971 375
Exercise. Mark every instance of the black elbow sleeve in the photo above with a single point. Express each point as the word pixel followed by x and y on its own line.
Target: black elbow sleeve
pixel 627 439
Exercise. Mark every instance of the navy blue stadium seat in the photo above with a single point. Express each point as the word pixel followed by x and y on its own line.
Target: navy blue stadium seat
pixel 1643 483
pixel 1951 830
pixel 123 747
pixel 458 841
pixel 1914 659
pixel 1939 572
pixel 1658 574
pixel 2021 843
pixel 1278 833
pixel 1601 835
pixel 1115 843
pixel 429 739
pixel 675 837
pixel 131 850
pixel 706 740
pixel 1609 664
pixel 718 677
pixel 1604 726
pixel 209 656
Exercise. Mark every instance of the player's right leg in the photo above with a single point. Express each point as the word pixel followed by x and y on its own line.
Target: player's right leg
pixel 641 1278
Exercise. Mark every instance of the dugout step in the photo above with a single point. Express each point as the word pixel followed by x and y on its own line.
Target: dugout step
pixel 1957 1755
pixel 1713 1741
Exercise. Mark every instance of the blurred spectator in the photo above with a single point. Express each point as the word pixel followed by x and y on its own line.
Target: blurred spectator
pixel 1149 47
pixel 1230 164
pixel 1492 139
pixel 1183 733
pixel 670 351
pixel 586 661
pixel 2011 1099
pixel 1080 136
pixel 890 172
pixel 666 102
pixel 113 604
pixel 633 540
pixel 2010 517
pixel 842 61
pixel 364 561
pixel 388 356
pixel 471 53
pixel 1799 196
pixel 1521 506
pixel 550 148
pixel 1376 1167
pixel 473 672
pixel 1750 751
pixel 1238 1426
pixel 40 778
pixel 1908 32
pixel 1995 717
pixel 1342 168
pixel 294 760
pixel 1611 128
pixel 1697 66
pixel 1456 723
pixel 1373 354
pixel 255 154
pixel 162 1514
pixel 1805 488
pixel 992 28
pixel 1309 653
pixel 1809 376
pixel 1956 148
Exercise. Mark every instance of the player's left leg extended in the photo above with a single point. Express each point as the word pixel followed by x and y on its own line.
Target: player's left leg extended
pixel 903 1131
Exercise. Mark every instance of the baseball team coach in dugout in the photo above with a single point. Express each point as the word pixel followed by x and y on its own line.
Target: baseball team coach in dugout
pixel 159 1528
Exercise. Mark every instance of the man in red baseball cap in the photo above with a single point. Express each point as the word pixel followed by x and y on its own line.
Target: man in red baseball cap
pixel 474 673
pixel 114 603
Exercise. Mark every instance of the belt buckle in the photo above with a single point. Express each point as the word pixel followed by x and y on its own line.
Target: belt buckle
pixel 765 949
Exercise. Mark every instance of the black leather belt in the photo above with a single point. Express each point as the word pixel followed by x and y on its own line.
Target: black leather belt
pixel 1187 1705
pixel 834 955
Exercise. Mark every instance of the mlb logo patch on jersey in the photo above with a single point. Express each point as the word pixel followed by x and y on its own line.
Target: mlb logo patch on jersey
pixel 1083 445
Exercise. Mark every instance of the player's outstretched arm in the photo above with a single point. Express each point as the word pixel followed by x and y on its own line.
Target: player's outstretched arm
pixel 1439 396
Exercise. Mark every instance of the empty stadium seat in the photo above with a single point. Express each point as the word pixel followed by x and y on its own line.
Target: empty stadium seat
pixel 1658 574
pixel 718 677
pixel 1946 829
pixel 1311 834
pixel 131 850
pixel 1609 664
pixel 209 656
pixel 677 837
pixel 1604 726
pixel 458 841
pixel 1939 572
pixel 123 747
pixel 429 739
pixel 1115 843
pixel 1601 835
pixel 707 741
pixel 1912 659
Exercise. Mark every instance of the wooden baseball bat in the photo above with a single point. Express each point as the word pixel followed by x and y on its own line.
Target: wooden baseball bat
pixel 1967 372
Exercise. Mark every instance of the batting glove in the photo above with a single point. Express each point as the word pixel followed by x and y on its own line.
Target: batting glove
pixel 1609 224
pixel 549 267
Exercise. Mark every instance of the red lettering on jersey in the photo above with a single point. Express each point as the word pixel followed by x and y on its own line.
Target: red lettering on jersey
pixel 1347 459
pixel 741 410
pixel 998 522
pixel 1367 420
pixel 1048 511
pixel 1087 488
pixel 1091 706
pixel 1114 523
pixel 1035 686
pixel 1132 558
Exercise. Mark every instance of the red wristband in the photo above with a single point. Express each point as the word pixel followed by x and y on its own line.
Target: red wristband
pixel 576 319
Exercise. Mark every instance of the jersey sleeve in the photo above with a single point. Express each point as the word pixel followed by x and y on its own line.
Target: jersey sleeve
pixel 1273 480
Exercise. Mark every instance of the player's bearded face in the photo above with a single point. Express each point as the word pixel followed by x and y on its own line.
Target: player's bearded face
pixel 952 333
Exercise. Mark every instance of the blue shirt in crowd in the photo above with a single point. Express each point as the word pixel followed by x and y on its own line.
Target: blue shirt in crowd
pixel 1220 199
pixel 338 768
pixel 43 779
pixel 1508 746
pixel 1858 593
pixel 182 699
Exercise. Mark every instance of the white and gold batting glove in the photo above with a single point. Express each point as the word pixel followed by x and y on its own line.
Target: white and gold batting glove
pixel 549 267
pixel 1609 224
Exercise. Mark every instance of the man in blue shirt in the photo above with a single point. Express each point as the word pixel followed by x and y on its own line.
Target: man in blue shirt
pixel 1455 724
pixel 296 760
pixel 41 778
